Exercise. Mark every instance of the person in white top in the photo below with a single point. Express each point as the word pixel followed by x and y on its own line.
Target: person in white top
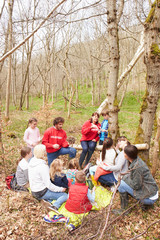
pixel 120 166
pixel 22 168
pixel 32 134
pixel 39 179
pixel 107 156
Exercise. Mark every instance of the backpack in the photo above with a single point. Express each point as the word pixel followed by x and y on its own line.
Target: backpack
pixel 9 180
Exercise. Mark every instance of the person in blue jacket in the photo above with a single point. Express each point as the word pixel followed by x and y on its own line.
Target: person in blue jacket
pixel 104 127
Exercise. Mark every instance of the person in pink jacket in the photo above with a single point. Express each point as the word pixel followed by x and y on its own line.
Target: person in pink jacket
pixel 90 136
pixel 55 140
pixel 32 134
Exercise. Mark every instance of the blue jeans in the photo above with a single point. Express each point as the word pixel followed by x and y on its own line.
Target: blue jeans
pixel 124 187
pixel 60 197
pixel 108 179
pixel 62 151
pixel 88 149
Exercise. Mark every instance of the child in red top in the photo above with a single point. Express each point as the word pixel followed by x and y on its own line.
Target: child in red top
pixel 80 197
pixel 90 136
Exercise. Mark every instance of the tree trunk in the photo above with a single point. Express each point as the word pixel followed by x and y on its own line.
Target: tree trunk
pixel 113 67
pixel 155 156
pixel 10 10
pixel 152 61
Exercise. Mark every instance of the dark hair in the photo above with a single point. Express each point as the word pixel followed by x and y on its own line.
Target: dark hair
pixel 73 164
pixel 24 152
pixel 31 120
pixel 123 138
pixel 107 143
pixel 58 120
pixel 131 151
pixel 93 114
pixel 104 113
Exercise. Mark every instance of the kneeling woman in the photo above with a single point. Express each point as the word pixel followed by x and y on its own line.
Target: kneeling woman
pixel 39 179
pixel 139 183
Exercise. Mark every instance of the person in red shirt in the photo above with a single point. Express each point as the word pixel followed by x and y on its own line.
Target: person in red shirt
pixel 55 141
pixel 90 136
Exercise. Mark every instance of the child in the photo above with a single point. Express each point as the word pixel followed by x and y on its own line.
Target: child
pixel 107 157
pixel 22 168
pixel 104 127
pixel 73 168
pixel 80 197
pixel 57 177
pixel 32 134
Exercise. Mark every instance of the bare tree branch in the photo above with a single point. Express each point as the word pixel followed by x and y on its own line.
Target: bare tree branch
pixel 30 35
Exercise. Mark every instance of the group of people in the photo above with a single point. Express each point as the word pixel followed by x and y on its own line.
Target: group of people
pixel 48 181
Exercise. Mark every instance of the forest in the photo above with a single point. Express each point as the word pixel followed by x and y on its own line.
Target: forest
pixel 71 58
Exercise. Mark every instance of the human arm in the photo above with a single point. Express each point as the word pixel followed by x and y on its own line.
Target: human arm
pixel 86 128
pixel 64 141
pixel 44 172
pixel 119 163
pixel 26 137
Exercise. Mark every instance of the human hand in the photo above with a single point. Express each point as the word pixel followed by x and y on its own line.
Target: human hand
pixel 64 189
pixel 93 140
pixel 56 146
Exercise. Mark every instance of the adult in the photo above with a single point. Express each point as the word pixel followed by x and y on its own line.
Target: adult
pixel 39 179
pixel 121 164
pixel 90 136
pixel 139 182
pixel 55 141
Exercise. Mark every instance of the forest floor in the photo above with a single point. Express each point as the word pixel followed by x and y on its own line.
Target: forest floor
pixel 21 215
pixel 22 219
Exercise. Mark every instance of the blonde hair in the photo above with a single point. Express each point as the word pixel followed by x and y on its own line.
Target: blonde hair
pixel 40 151
pixel 55 168
pixel 80 177
pixel 73 164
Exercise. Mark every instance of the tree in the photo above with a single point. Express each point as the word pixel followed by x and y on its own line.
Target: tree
pixel 152 61
pixel 10 10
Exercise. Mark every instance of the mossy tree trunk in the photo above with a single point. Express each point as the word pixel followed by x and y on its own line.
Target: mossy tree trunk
pixel 152 61
pixel 113 67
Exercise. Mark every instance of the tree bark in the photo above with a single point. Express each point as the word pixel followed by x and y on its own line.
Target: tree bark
pixel 155 156
pixel 10 10
pixel 152 61
pixel 113 67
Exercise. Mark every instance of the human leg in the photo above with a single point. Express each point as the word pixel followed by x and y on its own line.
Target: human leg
pixel 51 157
pixel 107 179
pixel 84 145
pixel 69 150
pixel 91 148
pixel 60 197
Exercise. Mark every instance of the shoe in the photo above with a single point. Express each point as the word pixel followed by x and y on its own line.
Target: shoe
pixel 86 168
pixel 53 208
pixel 70 227
pixel 55 219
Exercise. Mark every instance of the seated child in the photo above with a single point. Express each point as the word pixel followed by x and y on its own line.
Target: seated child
pixel 80 196
pixel 57 177
pixel 107 157
pixel 22 169
pixel 73 168
pixel 104 128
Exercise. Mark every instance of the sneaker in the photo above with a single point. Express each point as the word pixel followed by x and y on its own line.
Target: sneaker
pixel 53 208
pixel 71 227
pixel 86 168
pixel 55 219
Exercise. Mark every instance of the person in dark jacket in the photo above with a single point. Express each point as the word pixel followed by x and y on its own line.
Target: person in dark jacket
pixel 58 178
pixel 139 182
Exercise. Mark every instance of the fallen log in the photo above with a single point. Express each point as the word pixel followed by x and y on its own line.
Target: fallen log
pixel 142 146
